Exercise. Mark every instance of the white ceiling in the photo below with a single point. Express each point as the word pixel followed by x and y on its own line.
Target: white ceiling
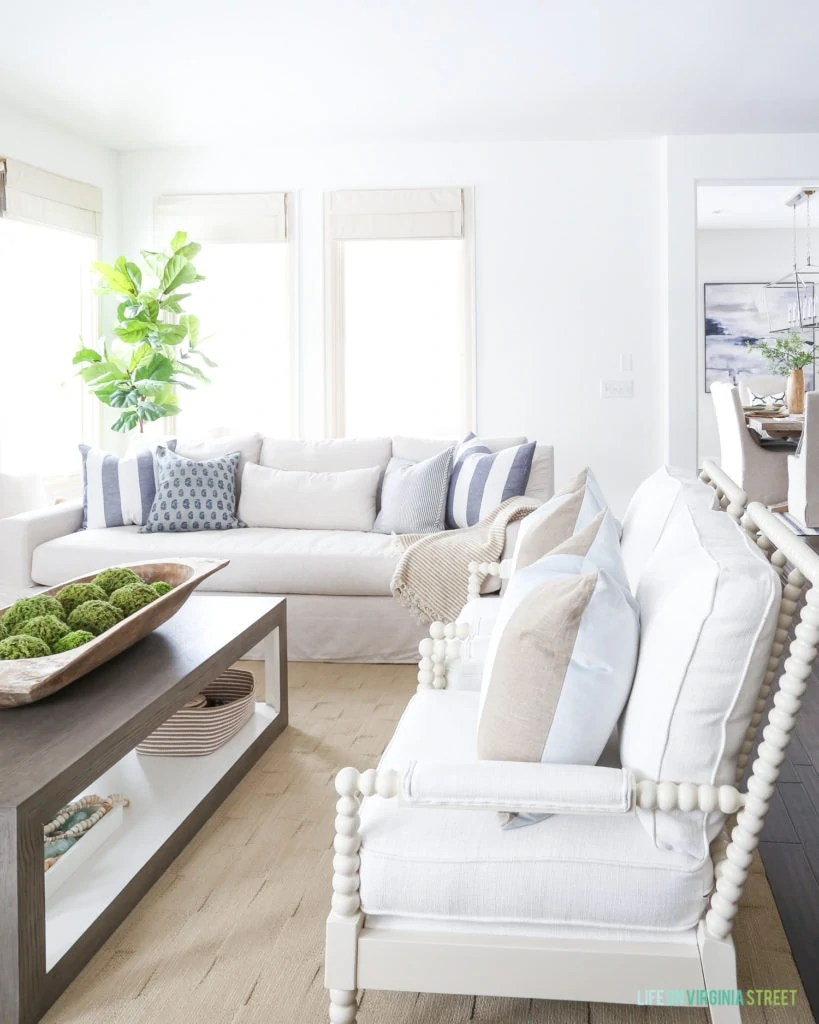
pixel 165 73
pixel 751 206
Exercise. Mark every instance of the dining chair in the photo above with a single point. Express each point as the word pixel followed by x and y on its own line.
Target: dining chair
pixel 757 388
pixel 760 469
pixel 803 468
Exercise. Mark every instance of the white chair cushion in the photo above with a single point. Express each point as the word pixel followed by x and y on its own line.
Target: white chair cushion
pixel 262 560
pixel 709 604
pixel 650 509
pixel 601 872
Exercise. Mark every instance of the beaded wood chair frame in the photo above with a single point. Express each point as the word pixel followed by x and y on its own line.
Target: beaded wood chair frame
pixel 605 969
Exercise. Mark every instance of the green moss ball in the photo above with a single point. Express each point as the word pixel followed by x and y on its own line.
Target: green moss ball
pixel 75 594
pixel 29 608
pixel 133 597
pixel 3 631
pixel 112 579
pixel 71 640
pixel 14 647
pixel 161 588
pixel 95 617
pixel 44 627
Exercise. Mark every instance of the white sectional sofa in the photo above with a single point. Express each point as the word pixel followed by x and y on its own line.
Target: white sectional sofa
pixel 337 582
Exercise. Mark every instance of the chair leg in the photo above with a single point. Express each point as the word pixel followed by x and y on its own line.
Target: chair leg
pixel 719 971
pixel 343 1006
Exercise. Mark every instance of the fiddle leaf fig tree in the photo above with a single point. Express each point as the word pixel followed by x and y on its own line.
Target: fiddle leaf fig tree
pixel 156 345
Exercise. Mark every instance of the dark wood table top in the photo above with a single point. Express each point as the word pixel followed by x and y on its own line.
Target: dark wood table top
pixel 51 749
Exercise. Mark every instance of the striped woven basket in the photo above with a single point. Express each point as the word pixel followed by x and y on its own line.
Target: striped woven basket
pixel 197 730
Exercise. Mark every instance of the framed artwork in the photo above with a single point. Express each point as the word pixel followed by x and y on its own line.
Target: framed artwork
pixel 739 315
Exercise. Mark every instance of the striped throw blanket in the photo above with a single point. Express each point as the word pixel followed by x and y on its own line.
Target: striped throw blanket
pixel 433 572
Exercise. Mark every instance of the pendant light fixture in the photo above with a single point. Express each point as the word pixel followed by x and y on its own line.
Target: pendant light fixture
pixel 791 299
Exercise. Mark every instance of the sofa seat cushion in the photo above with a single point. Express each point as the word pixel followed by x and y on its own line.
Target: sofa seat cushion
pixel 262 560
pixel 458 865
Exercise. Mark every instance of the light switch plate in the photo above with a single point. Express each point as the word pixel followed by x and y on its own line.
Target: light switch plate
pixel 617 389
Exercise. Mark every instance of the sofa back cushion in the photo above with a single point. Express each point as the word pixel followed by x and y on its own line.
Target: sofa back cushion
pixel 709 604
pixel 248 446
pixel 650 509
pixel 329 456
pixel 301 500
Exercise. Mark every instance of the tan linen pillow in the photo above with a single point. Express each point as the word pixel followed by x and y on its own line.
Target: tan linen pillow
pixel 560 663
pixel 554 522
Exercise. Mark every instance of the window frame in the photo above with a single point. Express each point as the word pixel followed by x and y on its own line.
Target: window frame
pixel 292 214
pixel 334 348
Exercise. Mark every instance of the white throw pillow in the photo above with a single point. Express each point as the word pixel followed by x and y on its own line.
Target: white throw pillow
pixel 709 603
pixel 300 500
pixel 560 663
pixel 651 508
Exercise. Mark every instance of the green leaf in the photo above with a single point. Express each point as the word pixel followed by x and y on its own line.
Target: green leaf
pixel 134 275
pixel 183 384
pixel 192 371
pixel 103 370
pixel 116 279
pixel 158 367
pixel 190 251
pixel 86 355
pixel 197 353
pixel 191 325
pixel 120 399
pixel 178 240
pixel 133 331
pixel 171 334
pixel 150 411
pixel 178 271
pixel 146 388
pixel 155 261
pixel 127 421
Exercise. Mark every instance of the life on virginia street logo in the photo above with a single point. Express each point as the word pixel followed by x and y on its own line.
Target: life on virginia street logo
pixel 717 997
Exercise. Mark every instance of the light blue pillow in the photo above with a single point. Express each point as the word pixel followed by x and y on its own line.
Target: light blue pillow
pixel 193 495
pixel 413 495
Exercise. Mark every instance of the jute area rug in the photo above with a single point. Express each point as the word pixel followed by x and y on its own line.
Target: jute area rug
pixel 234 931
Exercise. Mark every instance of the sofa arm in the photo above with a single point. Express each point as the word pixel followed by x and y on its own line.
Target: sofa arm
pixel 518 786
pixel 21 534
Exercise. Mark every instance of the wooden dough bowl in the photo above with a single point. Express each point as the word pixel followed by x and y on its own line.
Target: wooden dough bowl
pixel 26 680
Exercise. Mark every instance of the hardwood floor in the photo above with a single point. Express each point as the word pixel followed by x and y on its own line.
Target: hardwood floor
pixel 790 844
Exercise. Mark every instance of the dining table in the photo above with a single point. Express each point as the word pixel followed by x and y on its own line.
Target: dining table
pixel 779 426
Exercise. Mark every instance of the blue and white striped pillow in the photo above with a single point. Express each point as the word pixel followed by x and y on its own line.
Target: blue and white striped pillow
pixel 482 479
pixel 117 491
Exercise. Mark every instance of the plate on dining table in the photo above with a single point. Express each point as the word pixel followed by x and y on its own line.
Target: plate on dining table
pixel 768 411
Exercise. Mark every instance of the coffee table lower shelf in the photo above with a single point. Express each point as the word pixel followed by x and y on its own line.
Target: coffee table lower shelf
pixel 163 793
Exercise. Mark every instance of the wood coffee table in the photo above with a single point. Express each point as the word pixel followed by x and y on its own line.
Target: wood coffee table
pixel 83 739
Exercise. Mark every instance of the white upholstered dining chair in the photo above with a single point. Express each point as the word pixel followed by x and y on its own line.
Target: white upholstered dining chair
pixel 803 468
pixel 760 469
pixel 760 387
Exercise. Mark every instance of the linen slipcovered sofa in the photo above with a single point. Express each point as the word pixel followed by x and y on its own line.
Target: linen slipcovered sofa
pixel 337 582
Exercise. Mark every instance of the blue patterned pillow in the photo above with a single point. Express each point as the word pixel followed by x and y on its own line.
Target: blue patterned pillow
pixel 193 495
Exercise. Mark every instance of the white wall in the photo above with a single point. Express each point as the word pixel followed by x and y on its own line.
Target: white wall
pixel 569 260
pixel 710 160
pixel 729 256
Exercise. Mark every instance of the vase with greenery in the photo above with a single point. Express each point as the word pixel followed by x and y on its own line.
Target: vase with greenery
pixel 788 355
pixel 156 350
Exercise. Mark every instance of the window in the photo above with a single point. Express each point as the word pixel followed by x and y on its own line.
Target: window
pixel 244 305
pixel 47 303
pixel 399 314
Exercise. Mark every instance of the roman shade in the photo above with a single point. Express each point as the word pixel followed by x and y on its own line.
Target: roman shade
pixel 395 213
pixel 249 217
pixel 40 197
